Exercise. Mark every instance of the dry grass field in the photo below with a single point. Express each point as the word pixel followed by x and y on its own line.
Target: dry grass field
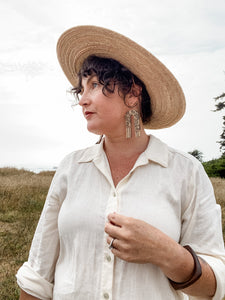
pixel 22 195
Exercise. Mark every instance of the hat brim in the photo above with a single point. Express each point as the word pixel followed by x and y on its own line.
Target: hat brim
pixel 167 98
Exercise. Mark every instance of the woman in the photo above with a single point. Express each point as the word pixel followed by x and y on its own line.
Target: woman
pixel 130 217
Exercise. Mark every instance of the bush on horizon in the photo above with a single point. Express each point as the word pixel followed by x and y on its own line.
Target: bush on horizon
pixel 215 167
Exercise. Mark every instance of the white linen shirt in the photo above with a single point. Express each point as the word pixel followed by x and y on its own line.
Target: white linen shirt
pixel 69 258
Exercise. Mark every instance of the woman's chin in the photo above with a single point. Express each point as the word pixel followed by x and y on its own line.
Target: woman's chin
pixel 95 130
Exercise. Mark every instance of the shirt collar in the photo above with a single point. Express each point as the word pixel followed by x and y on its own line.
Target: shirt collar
pixel 156 151
pixel 92 153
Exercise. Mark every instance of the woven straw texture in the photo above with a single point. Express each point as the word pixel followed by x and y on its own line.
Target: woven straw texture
pixel 167 98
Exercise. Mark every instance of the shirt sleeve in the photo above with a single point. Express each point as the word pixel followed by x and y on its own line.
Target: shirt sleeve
pixel 36 276
pixel 202 227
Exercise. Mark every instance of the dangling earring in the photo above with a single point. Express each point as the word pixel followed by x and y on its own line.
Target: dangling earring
pixel 137 125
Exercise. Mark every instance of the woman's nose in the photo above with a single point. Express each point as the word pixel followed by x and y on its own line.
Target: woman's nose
pixel 84 99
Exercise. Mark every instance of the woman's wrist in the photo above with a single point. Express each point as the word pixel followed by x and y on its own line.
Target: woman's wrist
pixel 179 264
pixel 25 296
pixel 197 272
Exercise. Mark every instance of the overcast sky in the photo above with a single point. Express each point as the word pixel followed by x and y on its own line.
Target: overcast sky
pixel 38 127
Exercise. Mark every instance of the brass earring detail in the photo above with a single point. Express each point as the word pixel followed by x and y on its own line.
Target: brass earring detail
pixel 137 126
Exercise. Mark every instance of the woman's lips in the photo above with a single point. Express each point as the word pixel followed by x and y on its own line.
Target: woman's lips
pixel 88 114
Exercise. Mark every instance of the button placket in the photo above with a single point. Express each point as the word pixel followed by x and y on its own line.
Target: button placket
pixel 108 262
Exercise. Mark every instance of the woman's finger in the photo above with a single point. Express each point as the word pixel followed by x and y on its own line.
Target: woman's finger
pixel 113 230
pixel 117 219
pixel 112 242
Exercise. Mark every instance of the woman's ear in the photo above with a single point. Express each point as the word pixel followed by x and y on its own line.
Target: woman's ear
pixel 136 90
pixel 133 97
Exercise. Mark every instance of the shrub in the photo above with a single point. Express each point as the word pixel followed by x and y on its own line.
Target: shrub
pixel 215 167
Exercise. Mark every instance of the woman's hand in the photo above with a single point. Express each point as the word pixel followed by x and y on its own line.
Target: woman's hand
pixel 137 241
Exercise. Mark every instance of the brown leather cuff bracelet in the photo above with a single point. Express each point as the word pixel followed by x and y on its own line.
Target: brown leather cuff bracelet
pixel 195 275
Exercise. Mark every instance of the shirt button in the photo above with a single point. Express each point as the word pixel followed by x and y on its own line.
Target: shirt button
pixel 108 258
pixel 114 194
pixel 106 295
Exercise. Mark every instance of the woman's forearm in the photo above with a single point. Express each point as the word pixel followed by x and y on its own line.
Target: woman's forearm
pixel 25 296
pixel 181 268
pixel 206 283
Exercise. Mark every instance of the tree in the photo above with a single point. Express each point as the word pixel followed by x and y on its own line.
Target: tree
pixel 219 106
pixel 197 154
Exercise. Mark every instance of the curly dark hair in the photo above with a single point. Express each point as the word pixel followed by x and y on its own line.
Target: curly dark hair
pixel 111 73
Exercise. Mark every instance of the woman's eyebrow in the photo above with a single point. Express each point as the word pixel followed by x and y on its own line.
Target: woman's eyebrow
pixel 89 79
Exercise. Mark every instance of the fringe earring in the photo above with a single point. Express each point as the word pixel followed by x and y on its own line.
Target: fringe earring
pixel 137 126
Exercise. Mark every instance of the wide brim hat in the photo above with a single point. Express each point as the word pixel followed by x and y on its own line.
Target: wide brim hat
pixel 167 98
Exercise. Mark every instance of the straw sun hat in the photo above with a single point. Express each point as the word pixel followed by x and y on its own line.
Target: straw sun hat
pixel 167 98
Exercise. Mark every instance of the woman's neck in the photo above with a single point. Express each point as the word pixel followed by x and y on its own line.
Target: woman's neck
pixel 123 147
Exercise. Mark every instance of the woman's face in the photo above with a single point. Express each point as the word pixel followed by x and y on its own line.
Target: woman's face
pixel 104 114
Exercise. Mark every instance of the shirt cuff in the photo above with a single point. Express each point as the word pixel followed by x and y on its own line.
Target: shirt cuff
pixel 32 283
pixel 218 267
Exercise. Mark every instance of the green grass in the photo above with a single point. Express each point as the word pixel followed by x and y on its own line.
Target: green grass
pixel 22 195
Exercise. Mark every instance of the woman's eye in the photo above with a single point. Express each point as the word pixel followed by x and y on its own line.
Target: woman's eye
pixel 94 84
